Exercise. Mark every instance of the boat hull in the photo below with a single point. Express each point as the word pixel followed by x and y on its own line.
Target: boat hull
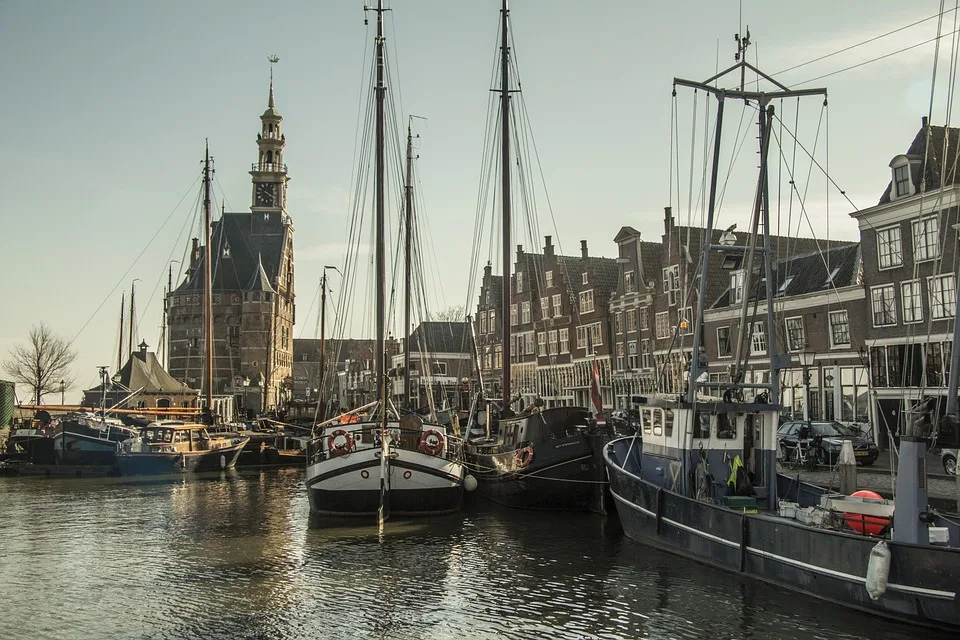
pixel 420 485
pixel 561 476
pixel 825 564
pixel 135 463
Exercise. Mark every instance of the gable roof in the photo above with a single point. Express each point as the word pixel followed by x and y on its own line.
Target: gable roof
pixel 926 154
pixel 440 337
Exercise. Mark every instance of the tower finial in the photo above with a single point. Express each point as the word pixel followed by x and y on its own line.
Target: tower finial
pixel 272 60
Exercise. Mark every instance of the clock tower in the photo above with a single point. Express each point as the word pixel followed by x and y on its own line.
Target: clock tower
pixel 269 173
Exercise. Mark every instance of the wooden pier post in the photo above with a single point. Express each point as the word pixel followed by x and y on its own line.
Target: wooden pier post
pixel 847 466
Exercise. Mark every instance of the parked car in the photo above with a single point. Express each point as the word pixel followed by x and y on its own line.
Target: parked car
pixel 948 457
pixel 833 434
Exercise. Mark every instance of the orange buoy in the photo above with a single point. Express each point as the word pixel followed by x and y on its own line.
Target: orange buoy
pixel 870 525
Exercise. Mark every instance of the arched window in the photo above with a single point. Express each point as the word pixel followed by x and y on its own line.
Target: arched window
pixel 163 403
pixel 269 157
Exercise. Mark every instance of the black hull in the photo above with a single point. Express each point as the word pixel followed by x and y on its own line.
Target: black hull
pixel 132 464
pixel 562 477
pixel 816 562
pixel 364 503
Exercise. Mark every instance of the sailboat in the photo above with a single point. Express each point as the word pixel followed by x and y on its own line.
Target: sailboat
pixel 662 487
pixel 371 462
pixel 543 457
pixel 170 446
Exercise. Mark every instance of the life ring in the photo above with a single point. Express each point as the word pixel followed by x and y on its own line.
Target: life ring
pixel 346 446
pixel 524 457
pixel 431 442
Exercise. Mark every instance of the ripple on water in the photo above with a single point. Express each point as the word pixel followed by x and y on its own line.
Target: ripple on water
pixel 234 556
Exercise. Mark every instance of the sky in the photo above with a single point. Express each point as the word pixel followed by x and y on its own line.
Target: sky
pixel 107 104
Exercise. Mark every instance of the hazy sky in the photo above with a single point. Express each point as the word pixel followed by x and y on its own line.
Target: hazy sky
pixel 106 105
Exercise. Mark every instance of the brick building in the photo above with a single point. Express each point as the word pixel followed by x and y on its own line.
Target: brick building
pixel 253 290
pixel 440 361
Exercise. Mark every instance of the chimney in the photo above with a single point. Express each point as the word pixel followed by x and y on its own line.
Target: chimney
pixel 583 249
pixel 519 252
pixel 923 122
pixel 195 252
pixel 548 246
pixel 487 270
pixel 667 220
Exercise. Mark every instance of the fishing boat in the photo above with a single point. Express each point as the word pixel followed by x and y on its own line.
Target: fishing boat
pixel 898 559
pixel 87 438
pixel 374 462
pixel 177 447
pixel 542 458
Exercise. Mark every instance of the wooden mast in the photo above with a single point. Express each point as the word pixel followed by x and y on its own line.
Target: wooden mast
pixel 321 401
pixel 207 285
pixel 408 268
pixel 120 348
pixel 131 327
pixel 505 201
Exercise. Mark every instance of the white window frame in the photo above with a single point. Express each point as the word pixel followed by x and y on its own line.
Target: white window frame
pixel 671 283
pixel 633 357
pixel 583 278
pixel 758 340
pixel 586 301
pixel 631 320
pixel 892 239
pixel 645 355
pixel 542 343
pixel 483 323
pixel 790 326
pixel 513 315
pixel 564 340
pixel 911 301
pixel 552 342
pixel 525 312
pixel 519 281
pixel 548 278
pixel 644 319
pixel 832 324
pixel 528 344
pixel 927 230
pixel 729 351
pixel 663 325
pixel 618 321
pixel 545 307
pixel 737 281
pixel 582 337
pixel 889 305
pixel 596 331
pixel 942 301
pixel 628 281
pixel 556 305
pixel 895 192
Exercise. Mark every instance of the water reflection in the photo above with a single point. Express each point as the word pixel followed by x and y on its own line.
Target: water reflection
pixel 235 555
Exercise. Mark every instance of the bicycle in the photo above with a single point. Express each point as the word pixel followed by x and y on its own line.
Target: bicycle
pixel 808 454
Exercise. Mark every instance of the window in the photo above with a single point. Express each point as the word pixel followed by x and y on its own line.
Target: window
pixel 925 239
pixel 439 368
pixel 513 315
pixel 233 337
pixel 556 305
pixel 736 287
pixel 618 321
pixel 884 305
pixel 583 278
pixel 796 338
pixel 628 282
pixel 596 334
pixel 528 344
pixel 671 283
pixel 493 321
pixel 686 320
pixel 586 301
pixel 631 320
pixel 553 343
pixel 789 279
pixel 910 299
pixel 525 312
pixel 619 356
pixel 663 325
pixel 901 180
pixel 632 359
pixel 564 341
pixel 581 337
pixel 548 278
pixel 943 299
pixel 483 323
pixel 545 307
pixel 644 318
pixel 519 281
pixel 498 356
pixel 645 354
pixel 839 329
pixel 723 342
pixel 758 344
pixel 889 251
pixel 542 343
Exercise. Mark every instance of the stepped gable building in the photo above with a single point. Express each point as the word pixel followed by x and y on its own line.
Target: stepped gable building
pixel 909 263
pixel 253 289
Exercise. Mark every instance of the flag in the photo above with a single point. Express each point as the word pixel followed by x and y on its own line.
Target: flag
pixel 595 388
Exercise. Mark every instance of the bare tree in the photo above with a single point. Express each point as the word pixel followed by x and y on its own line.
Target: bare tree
pixel 453 313
pixel 42 363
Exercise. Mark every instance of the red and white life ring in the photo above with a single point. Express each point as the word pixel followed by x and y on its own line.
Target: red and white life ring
pixel 340 442
pixel 431 442
pixel 524 457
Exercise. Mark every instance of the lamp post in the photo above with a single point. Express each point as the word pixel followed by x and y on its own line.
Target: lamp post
pixel 63 387
pixel 806 361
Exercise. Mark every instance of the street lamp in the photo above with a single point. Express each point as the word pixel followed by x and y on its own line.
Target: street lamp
pixel 63 387
pixel 806 361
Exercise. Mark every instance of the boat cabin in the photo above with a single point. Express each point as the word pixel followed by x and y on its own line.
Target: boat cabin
pixel 697 449
pixel 176 437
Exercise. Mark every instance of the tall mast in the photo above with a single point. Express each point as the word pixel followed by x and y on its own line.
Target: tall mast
pixel 408 268
pixel 505 199
pixel 207 283
pixel 323 339
pixel 120 348
pixel 131 327
pixel 380 92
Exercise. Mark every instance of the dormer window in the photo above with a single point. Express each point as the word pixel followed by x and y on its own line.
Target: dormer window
pixel 583 279
pixel 902 184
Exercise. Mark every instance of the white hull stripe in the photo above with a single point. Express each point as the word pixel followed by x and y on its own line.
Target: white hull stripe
pixel 933 593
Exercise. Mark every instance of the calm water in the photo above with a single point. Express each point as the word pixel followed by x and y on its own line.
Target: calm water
pixel 235 556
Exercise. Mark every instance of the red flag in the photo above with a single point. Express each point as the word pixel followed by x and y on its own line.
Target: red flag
pixel 595 388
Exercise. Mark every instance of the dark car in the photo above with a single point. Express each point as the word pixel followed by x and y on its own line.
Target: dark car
pixel 832 435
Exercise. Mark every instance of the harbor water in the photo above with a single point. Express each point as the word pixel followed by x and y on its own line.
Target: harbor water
pixel 235 555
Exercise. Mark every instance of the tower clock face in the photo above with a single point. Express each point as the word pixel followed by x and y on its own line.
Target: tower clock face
pixel 266 194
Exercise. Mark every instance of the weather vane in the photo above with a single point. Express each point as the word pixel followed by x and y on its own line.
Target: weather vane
pixel 272 60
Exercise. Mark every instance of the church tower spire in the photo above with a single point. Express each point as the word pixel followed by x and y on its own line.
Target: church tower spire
pixel 269 173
